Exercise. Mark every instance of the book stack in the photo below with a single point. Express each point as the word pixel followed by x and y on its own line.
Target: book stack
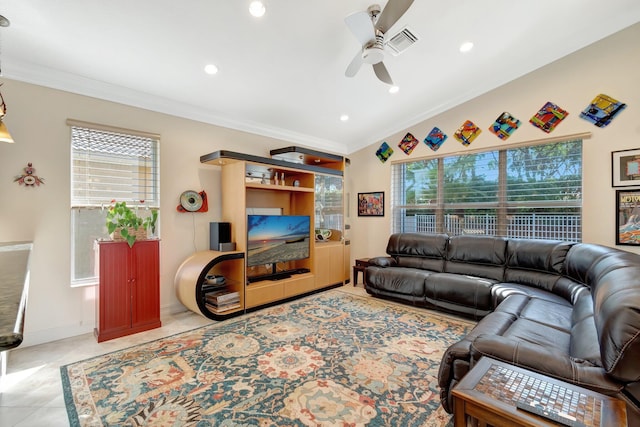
pixel 222 300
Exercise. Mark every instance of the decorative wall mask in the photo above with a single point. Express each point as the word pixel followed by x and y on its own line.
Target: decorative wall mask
pixel 29 177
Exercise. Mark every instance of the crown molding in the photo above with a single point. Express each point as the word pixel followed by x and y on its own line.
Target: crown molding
pixel 56 79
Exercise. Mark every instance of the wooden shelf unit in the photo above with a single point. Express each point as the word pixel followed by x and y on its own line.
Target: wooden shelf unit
pixel 251 182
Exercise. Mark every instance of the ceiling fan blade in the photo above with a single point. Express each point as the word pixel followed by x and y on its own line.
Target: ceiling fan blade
pixel 382 73
pixel 391 13
pixel 361 26
pixel 354 65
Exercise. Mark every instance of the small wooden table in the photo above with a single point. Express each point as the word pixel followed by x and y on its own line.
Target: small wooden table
pixel 361 265
pixel 489 392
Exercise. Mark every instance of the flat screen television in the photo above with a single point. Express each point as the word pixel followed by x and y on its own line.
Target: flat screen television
pixel 277 238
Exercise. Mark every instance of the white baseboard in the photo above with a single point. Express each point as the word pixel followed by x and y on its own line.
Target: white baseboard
pixel 54 334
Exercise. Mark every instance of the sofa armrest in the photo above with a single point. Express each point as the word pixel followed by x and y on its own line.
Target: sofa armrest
pixel 544 360
pixel 383 261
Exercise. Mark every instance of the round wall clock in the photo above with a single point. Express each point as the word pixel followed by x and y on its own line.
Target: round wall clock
pixel 191 201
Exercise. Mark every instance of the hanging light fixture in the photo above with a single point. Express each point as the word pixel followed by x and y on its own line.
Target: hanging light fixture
pixel 5 136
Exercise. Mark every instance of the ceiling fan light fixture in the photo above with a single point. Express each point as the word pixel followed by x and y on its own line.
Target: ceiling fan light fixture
pixel 257 9
pixel 394 89
pixel 344 118
pixel 373 54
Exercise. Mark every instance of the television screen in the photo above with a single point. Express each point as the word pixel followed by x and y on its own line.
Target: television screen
pixel 277 238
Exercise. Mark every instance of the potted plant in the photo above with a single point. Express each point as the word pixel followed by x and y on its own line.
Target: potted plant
pixel 123 223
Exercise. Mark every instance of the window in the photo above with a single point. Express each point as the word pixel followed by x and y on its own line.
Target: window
pixel 523 192
pixel 106 164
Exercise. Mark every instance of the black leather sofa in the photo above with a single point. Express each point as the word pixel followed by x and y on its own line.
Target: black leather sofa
pixel 567 310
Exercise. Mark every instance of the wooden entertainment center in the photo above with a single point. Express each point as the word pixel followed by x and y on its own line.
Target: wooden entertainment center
pixel 291 182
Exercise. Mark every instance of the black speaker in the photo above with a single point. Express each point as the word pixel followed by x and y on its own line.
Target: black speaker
pixel 219 233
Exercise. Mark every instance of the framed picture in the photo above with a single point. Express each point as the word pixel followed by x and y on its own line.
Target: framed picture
pixel 628 220
pixel 371 204
pixel 625 168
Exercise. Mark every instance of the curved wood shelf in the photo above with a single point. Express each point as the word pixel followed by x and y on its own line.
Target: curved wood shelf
pixel 191 276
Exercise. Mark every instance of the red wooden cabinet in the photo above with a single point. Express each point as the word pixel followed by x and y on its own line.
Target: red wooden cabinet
pixel 128 297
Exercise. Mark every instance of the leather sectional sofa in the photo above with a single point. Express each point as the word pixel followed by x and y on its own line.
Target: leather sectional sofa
pixel 567 310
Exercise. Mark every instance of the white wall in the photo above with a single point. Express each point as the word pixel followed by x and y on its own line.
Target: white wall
pixel 609 66
pixel 36 118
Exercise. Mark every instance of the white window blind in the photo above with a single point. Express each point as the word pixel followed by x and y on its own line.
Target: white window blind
pixel 106 165
pixel 528 192
pixel 113 166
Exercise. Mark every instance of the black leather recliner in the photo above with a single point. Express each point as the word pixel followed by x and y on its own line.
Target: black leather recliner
pixel 567 310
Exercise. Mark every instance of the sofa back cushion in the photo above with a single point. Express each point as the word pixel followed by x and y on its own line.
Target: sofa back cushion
pixel 537 263
pixel 616 307
pixel 416 250
pixel 480 256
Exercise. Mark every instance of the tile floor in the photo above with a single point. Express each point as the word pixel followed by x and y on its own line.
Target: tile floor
pixel 31 392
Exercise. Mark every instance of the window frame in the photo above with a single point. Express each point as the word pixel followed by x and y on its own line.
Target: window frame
pixel 437 205
pixel 92 205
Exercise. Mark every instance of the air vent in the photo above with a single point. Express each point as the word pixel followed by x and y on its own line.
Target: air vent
pixel 401 41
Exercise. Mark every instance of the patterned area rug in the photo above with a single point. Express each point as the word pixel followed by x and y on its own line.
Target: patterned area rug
pixel 331 359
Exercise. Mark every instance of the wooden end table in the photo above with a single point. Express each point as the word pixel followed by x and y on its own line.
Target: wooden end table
pixel 489 392
pixel 361 265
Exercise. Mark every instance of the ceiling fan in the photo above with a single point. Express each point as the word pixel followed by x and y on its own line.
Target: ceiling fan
pixel 370 28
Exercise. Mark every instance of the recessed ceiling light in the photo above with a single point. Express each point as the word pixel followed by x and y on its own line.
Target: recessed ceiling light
pixel 257 9
pixel 211 69
pixel 466 47
pixel 344 117
pixel 394 89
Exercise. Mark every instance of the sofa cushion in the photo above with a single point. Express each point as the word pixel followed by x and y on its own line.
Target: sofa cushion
pixel 616 307
pixel 584 335
pixel 462 294
pixel 481 256
pixel 525 330
pixel 554 314
pixel 547 360
pixel 580 260
pixel 536 263
pixel 401 280
pixel 416 250
pixel 501 291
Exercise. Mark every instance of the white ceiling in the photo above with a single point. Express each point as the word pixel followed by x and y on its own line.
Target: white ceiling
pixel 283 75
